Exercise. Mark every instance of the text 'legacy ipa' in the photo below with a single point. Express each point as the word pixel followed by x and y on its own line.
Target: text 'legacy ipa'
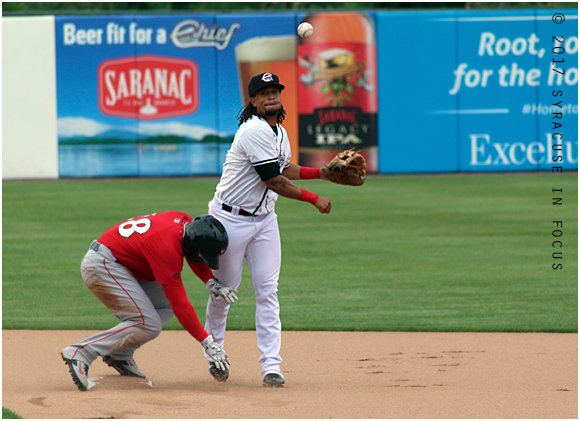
pixel 337 88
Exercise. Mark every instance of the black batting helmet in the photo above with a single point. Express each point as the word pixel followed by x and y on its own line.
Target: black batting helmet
pixel 205 235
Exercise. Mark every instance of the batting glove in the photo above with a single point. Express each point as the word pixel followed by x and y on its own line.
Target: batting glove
pixel 217 289
pixel 217 353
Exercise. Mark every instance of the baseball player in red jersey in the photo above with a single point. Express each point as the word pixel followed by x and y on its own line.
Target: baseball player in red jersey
pixel 257 169
pixel 134 269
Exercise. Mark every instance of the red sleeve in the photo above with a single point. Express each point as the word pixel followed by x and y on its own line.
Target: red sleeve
pixel 184 311
pixel 202 271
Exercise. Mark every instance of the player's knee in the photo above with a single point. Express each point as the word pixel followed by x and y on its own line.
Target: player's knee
pixel 151 327
pixel 267 294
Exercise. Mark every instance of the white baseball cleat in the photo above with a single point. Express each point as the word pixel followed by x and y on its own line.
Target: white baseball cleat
pixel 273 380
pixel 79 372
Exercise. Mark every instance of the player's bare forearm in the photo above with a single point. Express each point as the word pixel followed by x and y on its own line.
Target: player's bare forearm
pixel 284 187
pixel 292 172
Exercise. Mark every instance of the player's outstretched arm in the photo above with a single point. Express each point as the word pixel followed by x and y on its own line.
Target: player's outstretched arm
pixel 347 168
pixel 184 311
pixel 296 172
pixel 186 315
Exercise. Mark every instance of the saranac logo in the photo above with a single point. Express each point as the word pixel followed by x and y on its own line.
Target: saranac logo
pixel 148 87
pixel 190 33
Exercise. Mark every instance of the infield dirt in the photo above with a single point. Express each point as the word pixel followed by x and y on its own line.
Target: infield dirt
pixel 328 374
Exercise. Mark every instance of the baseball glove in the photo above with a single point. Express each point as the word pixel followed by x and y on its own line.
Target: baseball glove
pixel 347 168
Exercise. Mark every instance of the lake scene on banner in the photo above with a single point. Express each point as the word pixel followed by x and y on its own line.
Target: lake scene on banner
pixel 152 156
pixel 126 160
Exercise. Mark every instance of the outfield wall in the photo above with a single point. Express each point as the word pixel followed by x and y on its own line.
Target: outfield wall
pixel 29 117
pixel 420 92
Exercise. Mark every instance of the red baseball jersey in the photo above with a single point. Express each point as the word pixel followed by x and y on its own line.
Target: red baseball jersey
pixel 150 246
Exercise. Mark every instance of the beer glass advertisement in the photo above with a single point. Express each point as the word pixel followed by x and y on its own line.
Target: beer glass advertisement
pixel 263 43
pixel 137 95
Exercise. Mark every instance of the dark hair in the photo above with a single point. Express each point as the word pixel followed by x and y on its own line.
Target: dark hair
pixel 249 110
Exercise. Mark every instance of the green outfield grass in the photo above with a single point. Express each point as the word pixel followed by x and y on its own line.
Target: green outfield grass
pixel 9 415
pixel 404 253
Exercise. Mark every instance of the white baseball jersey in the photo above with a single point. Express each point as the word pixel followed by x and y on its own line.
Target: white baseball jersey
pixel 255 143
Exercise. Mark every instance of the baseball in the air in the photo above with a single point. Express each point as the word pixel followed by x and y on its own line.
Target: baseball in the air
pixel 305 30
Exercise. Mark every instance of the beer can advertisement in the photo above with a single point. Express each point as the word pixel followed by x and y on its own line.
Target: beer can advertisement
pixel 337 87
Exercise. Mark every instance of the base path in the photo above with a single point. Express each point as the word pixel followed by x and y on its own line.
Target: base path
pixel 328 375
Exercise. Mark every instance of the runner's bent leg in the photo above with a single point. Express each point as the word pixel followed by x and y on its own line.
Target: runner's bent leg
pixel 115 286
pixel 154 291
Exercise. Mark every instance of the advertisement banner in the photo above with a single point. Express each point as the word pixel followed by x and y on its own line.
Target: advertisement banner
pixel 477 93
pixel 137 95
pixel 415 92
pixel 503 70
pixel 557 104
pixel 338 87
pixel 418 127
pixel 263 43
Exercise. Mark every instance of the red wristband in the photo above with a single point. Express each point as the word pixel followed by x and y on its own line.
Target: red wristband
pixel 307 173
pixel 306 196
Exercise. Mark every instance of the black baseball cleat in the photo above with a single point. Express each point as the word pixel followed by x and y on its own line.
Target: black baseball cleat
pixel 273 380
pixel 124 367
pixel 217 373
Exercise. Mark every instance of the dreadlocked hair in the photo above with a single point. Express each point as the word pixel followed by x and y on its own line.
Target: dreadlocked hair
pixel 249 110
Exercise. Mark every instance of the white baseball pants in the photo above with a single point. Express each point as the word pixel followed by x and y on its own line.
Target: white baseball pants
pixel 141 306
pixel 257 239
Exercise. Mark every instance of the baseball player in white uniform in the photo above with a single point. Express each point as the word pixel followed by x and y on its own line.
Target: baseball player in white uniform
pixel 257 169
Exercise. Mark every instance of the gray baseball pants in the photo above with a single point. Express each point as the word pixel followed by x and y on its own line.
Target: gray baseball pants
pixel 141 306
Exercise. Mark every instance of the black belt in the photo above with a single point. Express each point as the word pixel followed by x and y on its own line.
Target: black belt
pixel 242 212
